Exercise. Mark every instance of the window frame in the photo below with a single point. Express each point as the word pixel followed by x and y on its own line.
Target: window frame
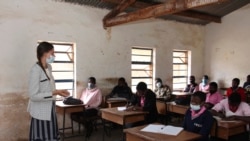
pixel 149 63
pixel 186 63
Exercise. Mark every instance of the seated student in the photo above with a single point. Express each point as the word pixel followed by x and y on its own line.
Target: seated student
pixel 213 97
pixel 235 88
pixel 233 108
pixel 92 98
pixel 163 91
pixel 145 100
pixel 246 85
pixel 204 85
pixel 198 119
pixel 191 88
pixel 121 90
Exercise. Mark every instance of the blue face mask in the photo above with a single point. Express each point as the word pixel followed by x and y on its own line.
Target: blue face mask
pixel 51 59
pixel 204 82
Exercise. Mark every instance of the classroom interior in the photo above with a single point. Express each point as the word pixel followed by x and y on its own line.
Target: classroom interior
pixel 220 50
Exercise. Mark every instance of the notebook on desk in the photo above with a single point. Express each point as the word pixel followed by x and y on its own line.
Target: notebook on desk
pixel 162 129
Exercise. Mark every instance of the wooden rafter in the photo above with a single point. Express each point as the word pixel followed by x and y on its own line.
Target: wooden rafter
pixel 121 7
pixel 169 7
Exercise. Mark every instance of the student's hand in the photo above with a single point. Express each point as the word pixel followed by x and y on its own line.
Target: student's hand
pixel 221 115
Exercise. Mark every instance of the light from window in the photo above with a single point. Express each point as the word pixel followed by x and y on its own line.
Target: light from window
pixel 141 67
pixel 63 67
pixel 180 69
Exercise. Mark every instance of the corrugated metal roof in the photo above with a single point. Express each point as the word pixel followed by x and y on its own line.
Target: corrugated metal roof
pixel 218 10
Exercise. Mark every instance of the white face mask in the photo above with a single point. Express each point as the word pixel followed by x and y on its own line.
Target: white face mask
pixel 158 84
pixel 91 86
pixel 51 59
pixel 195 107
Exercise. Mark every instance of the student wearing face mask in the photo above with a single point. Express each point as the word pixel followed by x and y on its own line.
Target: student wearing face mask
pixel 198 119
pixel 162 91
pixel 42 96
pixel 213 97
pixel 204 85
pixel 92 98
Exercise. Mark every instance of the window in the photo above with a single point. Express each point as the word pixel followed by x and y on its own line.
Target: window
pixel 142 67
pixel 63 67
pixel 180 69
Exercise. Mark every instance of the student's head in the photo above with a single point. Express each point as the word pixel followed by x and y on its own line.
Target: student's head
pixel 204 79
pixel 248 78
pixel 234 99
pixel 91 82
pixel 45 52
pixel 192 79
pixel 158 82
pixel 122 82
pixel 235 82
pixel 197 100
pixel 141 88
pixel 213 87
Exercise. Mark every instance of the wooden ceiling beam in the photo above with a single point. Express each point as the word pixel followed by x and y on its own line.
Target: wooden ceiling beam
pixel 119 8
pixel 187 13
pixel 169 7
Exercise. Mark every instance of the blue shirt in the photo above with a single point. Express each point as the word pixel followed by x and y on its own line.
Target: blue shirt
pixel 200 125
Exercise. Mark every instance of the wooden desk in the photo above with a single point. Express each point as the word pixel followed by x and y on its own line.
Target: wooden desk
pixel 116 103
pixel 181 93
pixel 161 107
pixel 63 109
pixel 227 129
pixel 134 134
pixel 179 109
pixel 122 117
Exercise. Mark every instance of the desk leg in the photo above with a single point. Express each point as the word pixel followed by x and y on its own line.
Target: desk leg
pixel 104 130
pixel 63 135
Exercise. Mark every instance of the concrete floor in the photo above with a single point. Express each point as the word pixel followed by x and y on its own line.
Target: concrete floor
pixel 97 135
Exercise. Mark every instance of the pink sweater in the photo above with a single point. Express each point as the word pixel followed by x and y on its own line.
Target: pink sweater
pixel 92 98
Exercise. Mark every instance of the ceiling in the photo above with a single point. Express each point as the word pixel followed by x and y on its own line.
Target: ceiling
pixel 200 15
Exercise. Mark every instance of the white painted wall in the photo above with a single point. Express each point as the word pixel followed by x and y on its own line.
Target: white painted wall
pixel 227 47
pixel 104 54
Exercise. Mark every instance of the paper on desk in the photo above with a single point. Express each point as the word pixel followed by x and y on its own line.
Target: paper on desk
pixel 121 108
pixel 162 129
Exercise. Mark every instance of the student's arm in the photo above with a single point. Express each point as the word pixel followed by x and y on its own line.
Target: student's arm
pixel 209 105
pixel 150 102
pixel 207 125
pixel 217 110
pixel 215 113
pixel 112 93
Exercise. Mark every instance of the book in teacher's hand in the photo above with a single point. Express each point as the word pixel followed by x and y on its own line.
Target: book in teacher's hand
pixel 162 129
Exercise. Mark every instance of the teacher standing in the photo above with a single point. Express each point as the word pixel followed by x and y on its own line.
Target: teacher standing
pixel 42 95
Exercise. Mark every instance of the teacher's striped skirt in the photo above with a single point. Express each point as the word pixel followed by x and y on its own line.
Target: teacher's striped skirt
pixel 43 130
